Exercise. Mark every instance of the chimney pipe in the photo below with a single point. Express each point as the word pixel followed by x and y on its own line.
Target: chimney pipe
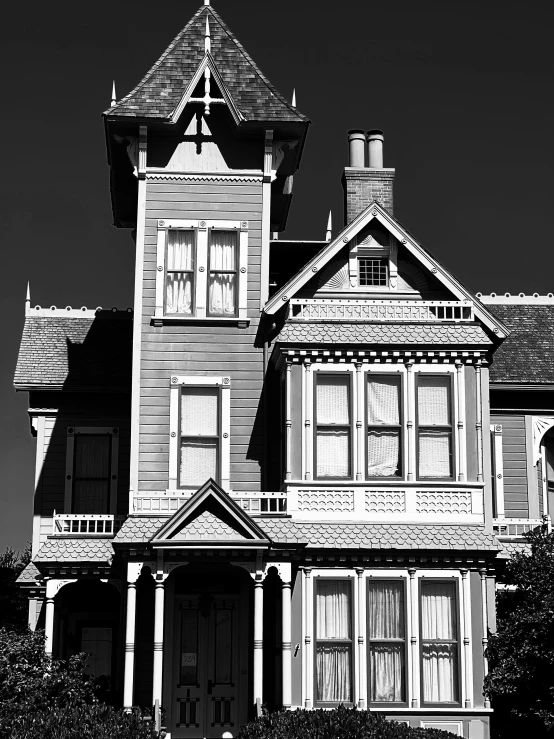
pixel 375 147
pixel 356 143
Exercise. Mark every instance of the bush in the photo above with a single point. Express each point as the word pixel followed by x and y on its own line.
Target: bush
pixel 346 723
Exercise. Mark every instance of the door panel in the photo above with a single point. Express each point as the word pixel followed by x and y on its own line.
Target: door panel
pixel 206 666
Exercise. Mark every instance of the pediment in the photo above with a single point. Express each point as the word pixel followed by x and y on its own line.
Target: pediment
pixel 427 266
pixel 210 518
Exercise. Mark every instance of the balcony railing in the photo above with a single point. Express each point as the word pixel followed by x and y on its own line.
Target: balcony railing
pixel 409 311
pixel 255 503
pixel 86 524
pixel 516 528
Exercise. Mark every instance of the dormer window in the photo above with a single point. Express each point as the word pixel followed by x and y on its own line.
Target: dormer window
pixel 373 272
pixel 372 264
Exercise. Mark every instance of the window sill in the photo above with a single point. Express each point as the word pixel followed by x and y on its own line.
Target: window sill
pixel 200 321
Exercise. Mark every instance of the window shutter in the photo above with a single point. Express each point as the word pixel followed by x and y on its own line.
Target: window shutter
pixel 199 415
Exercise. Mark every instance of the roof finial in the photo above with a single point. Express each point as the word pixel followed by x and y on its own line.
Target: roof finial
pixel 206 2
pixel 114 99
pixel 207 39
pixel 294 98
pixel 329 234
pixel 28 300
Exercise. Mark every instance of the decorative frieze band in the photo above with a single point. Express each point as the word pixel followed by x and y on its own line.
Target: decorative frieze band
pixel 202 177
pixel 420 356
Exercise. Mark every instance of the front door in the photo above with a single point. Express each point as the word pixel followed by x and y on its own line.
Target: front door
pixel 207 670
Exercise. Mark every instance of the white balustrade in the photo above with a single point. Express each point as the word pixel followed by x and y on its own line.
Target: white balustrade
pixel 430 311
pixel 96 524
pixel 518 527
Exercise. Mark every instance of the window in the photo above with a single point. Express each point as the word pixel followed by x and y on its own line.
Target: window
pixel 333 426
pixel 91 470
pixel 199 431
pixel 201 270
pixel 333 629
pixel 387 641
pixel 439 642
pixel 434 426
pixel 383 426
pixel 374 272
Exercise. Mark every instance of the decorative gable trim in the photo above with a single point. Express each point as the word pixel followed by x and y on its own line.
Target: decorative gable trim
pixel 208 63
pixel 165 536
pixel 375 211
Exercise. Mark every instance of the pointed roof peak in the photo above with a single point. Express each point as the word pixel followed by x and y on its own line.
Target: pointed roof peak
pixel 159 92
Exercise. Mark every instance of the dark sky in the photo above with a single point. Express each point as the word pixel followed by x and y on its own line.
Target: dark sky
pixel 462 90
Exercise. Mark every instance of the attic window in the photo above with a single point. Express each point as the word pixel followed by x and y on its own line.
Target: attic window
pixel 374 272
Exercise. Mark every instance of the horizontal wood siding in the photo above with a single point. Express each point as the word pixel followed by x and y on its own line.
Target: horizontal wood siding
pixel 205 350
pixel 516 496
pixel 471 420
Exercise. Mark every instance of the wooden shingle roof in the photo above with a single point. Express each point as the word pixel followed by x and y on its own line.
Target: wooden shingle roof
pixel 160 91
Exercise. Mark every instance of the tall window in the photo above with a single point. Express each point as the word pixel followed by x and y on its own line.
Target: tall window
pixel 199 450
pixel 434 411
pixel 179 295
pixel 387 642
pixel 383 426
pixel 333 426
pixel 334 641
pixel 222 280
pixel 91 473
pixel 439 642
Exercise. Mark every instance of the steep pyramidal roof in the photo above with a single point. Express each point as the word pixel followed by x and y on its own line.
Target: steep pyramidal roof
pixel 160 91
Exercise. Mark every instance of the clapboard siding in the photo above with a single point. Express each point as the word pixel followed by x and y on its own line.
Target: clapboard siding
pixel 516 497
pixel 195 349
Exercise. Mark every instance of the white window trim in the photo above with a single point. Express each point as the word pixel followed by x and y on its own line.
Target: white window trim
pixel 224 384
pixel 201 229
pixel 409 419
pixel 376 251
pixel 72 431
pixel 360 690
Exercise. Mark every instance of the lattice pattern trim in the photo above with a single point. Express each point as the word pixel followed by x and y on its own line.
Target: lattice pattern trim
pixel 354 310
pixel 326 501
pixel 433 502
pixel 378 502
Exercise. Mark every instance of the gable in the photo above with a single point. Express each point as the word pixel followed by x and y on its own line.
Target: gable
pixel 348 236
pixel 210 518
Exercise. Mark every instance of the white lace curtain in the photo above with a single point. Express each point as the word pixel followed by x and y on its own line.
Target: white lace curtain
pixel 386 621
pixel 439 642
pixel 180 277
pixel 222 282
pixel 332 408
pixel 433 405
pixel 383 409
pixel 333 621
pixel 199 418
pixel 91 473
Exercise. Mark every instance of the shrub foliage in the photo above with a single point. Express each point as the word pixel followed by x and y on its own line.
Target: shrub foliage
pixel 346 723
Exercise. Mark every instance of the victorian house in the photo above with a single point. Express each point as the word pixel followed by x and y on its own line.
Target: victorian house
pixel 274 480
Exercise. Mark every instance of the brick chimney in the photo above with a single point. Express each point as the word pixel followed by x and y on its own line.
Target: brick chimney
pixel 362 183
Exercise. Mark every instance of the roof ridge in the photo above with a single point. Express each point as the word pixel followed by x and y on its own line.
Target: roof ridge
pixel 157 63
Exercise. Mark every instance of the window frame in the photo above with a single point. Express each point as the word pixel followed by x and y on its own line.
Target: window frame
pixel 177 382
pixel 400 426
pixel 235 272
pixel 371 249
pixel 174 271
pixel 458 672
pixel 405 678
pixel 202 229
pixel 351 408
pixel 451 427
pixel 69 493
pixel 382 262
pixel 351 641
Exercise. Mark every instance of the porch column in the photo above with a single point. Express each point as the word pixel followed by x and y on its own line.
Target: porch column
pixel 258 638
pixel 157 680
pixel 466 610
pixel 485 626
pixel 284 570
pixel 53 587
pixel 133 573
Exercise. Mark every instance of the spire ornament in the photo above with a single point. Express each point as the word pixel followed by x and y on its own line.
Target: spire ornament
pixel 293 103
pixel 207 37
pixel 114 99
pixel 28 300
pixel 329 233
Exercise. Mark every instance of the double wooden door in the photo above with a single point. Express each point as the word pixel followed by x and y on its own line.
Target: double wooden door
pixel 209 669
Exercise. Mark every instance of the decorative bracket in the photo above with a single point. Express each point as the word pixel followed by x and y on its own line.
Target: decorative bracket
pixel 54 586
pixel 541 424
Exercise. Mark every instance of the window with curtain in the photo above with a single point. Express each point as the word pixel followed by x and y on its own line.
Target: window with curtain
pixel 387 641
pixel 179 291
pixel 383 426
pixel 434 417
pixel 199 436
pixel 91 473
pixel 222 276
pixel 439 642
pixel 333 426
pixel 333 655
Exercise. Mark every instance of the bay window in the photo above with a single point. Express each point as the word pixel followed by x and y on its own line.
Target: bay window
pixel 434 426
pixel 384 451
pixel 201 270
pixel 333 627
pixel 387 641
pixel 333 426
pixel 439 642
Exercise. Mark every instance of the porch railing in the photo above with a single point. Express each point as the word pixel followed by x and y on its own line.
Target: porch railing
pixel 381 310
pixel 255 503
pixel 515 528
pixel 91 524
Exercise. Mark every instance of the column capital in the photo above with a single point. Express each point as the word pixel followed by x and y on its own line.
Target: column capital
pixel 54 585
